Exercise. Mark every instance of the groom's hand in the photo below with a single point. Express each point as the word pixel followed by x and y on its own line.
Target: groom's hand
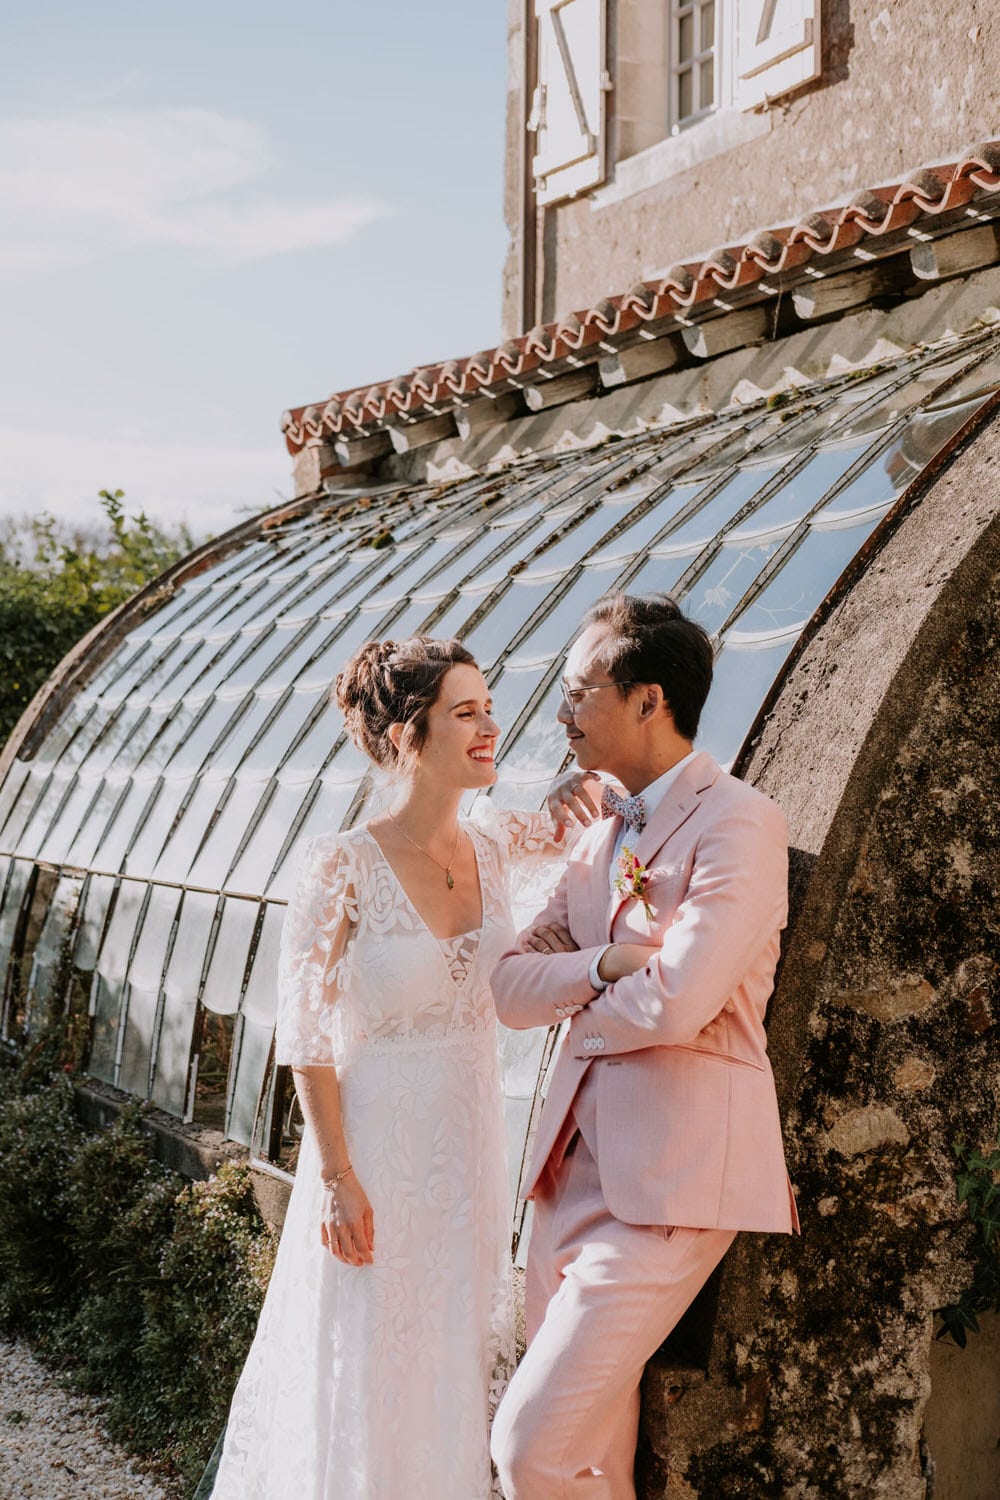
pixel 548 939
pixel 621 959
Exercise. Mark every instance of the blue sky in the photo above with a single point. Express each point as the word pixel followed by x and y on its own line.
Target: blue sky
pixel 211 210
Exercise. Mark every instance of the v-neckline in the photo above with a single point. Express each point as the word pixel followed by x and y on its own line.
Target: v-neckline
pixel 447 937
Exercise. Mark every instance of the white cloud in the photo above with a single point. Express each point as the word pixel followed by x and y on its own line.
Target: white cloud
pixel 208 486
pixel 80 187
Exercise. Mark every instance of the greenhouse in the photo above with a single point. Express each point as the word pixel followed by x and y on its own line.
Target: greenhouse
pixel 152 812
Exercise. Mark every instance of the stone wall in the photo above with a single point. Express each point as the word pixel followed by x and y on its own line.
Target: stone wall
pixel 903 83
pixel 882 748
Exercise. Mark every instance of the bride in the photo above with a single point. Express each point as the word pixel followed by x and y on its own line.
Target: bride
pixel 386 1337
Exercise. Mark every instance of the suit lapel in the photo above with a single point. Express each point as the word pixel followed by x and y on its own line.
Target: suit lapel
pixel 672 813
pixel 600 878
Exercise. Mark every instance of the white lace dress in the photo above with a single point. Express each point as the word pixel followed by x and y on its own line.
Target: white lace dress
pixel 379 1382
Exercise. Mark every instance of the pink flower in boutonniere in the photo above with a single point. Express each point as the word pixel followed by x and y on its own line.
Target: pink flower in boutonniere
pixel 632 879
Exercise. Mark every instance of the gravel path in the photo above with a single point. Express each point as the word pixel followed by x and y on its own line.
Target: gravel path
pixel 52 1443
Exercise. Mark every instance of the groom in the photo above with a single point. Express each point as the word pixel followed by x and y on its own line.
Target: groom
pixel 660 1137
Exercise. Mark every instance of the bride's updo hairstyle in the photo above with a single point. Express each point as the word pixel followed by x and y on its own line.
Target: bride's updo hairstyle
pixel 394 682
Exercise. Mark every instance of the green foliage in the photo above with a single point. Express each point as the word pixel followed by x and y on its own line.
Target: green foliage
pixel 979 1190
pixel 146 1289
pixel 57 583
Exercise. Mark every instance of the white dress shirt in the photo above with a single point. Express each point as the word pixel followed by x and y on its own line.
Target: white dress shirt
pixel 652 795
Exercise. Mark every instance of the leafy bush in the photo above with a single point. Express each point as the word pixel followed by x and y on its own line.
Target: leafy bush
pixel 978 1184
pixel 57 583
pixel 145 1289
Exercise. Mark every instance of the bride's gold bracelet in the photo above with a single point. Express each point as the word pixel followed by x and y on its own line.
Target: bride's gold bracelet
pixel 331 1183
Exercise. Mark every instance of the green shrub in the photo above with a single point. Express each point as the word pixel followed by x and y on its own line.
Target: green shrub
pixel 39 1138
pixel 144 1289
pixel 56 583
pixel 214 1273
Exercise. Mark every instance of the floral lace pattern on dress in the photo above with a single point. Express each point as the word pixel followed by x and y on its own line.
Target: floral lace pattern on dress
pixel 379 1382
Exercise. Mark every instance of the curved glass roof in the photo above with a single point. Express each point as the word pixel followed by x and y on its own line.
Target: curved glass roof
pixel 147 845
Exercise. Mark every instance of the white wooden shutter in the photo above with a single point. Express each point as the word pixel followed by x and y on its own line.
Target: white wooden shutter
pixel 568 110
pixel 777 48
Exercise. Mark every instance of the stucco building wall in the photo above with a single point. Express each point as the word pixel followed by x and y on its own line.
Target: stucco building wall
pixel 902 82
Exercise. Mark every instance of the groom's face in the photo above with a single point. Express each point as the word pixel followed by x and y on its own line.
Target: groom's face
pixel 597 721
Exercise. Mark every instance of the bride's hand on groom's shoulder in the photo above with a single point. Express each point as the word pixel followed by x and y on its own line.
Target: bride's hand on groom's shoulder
pixel 571 800
pixel 550 938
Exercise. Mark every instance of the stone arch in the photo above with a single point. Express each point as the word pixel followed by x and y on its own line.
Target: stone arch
pixel 881 748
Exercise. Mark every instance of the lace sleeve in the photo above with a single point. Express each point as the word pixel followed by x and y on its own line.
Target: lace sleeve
pixel 527 845
pixel 314 961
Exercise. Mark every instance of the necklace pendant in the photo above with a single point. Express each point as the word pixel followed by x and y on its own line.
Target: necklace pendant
pixel 450 879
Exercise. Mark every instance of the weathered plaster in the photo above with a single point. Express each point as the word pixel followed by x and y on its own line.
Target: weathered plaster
pixel 903 83
pixel 882 750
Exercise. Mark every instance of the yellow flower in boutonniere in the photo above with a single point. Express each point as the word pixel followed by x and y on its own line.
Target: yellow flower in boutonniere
pixel 632 879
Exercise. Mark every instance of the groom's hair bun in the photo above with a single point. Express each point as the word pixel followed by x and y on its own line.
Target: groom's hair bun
pixel 650 639
pixel 394 682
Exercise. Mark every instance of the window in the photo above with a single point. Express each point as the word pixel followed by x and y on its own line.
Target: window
pixel 693 53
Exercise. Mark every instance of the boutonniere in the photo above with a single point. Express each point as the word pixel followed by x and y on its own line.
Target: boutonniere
pixel 632 879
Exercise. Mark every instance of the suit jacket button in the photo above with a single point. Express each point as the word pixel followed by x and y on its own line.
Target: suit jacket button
pixel 560 1012
pixel 600 1044
pixel 730 1006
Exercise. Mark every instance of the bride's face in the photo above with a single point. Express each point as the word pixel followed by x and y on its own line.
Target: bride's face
pixel 461 731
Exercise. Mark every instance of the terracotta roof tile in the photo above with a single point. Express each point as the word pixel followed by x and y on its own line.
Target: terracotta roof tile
pixel 686 291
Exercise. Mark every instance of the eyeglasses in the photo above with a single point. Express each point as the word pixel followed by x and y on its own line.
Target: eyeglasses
pixel 573 696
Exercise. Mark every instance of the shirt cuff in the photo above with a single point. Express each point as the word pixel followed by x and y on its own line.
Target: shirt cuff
pixel 596 981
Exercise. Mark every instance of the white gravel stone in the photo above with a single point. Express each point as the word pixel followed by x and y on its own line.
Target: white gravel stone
pixel 53 1445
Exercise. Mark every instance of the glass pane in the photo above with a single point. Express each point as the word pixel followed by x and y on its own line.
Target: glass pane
pixel 181 988
pixel 804 489
pixel 260 999
pixel 685 37
pixel 314 748
pixel 510 694
pixel 707 76
pixel 35 820
pixel 94 910
pixel 659 575
pixel 715 512
pixel 109 979
pixel 252 1048
pixel 291 717
pixel 137 1041
pixel 224 979
pixel 214 1043
pixel 708 26
pixel 461 566
pixel 540 748
pixel 92 806
pixel 47 958
pixel 806 578
pixel 255 865
pixel 237 812
pixel 30 783
pixel 50 836
pixel 685 91
pixel 503 619
pixel 453 622
pixel 326 815
pixel 553 634
pixel 715 594
pixel 220 717
pixel 740 682
pixel 648 524
pixel 185 837
pixel 110 824
pixel 145 850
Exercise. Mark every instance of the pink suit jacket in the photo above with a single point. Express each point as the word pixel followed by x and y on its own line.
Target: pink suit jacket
pixel 687 1121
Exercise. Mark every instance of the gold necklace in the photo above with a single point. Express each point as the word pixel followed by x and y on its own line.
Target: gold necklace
pixel 449 877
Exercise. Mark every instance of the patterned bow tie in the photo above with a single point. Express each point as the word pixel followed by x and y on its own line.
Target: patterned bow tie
pixel 632 809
